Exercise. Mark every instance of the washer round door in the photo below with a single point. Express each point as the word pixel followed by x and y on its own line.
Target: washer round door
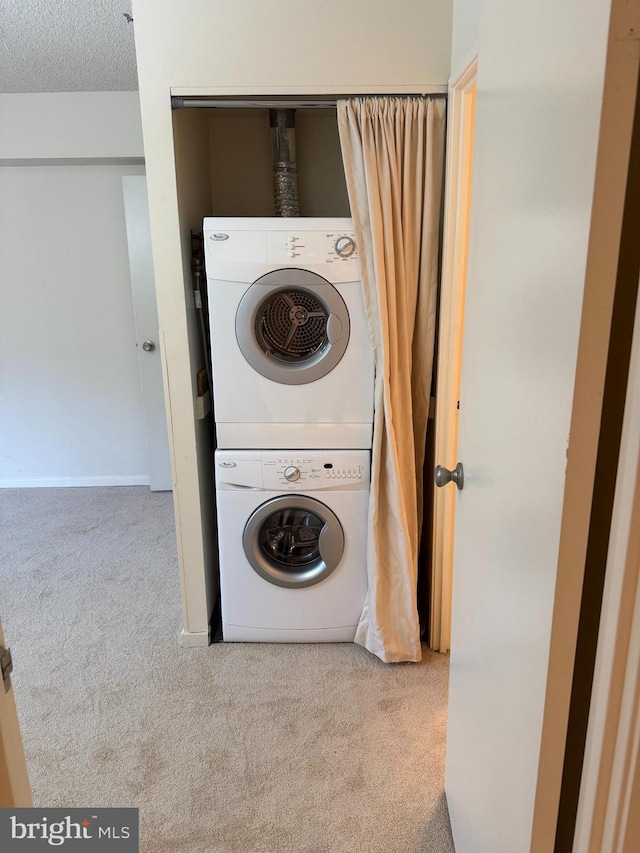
pixel 292 326
pixel 293 541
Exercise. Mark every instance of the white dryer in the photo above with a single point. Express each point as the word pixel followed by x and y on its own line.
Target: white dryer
pixel 291 355
pixel 292 537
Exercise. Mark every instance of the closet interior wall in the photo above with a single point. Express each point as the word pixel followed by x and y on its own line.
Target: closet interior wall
pixel 224 168
pixel 193 184
pixel 241 165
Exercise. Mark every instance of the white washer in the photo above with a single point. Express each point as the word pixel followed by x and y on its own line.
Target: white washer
pixel 292 537
pixel 291 354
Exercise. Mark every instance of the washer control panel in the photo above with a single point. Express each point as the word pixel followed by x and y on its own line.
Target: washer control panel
pixel 299 470
pixel 356 472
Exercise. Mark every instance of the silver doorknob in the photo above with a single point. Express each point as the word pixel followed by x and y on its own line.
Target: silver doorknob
pixel 444 476
pixel 148 346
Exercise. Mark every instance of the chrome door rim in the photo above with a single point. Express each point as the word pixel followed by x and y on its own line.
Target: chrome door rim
pixel 308 285
pixel 330 543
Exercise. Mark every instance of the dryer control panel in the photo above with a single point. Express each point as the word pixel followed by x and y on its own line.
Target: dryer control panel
pixel 327 242
pixel 311 247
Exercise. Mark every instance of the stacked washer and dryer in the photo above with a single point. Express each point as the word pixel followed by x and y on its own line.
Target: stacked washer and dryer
pixel 293 401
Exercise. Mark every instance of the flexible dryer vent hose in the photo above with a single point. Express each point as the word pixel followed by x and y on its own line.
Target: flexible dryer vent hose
pixel 285 171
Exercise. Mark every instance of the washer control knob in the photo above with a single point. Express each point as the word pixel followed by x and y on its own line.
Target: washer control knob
pixel 292 473
pixel 291 254
pixel 345 246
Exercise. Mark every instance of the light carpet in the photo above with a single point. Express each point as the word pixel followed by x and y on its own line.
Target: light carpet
pixel 228 749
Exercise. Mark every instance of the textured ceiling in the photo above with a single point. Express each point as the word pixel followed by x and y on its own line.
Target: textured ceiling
pixel 66 46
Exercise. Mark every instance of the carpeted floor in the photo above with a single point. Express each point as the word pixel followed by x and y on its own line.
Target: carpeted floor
pixel 230 749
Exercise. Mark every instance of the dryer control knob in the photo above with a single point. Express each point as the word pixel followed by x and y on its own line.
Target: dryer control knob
pixel 345 246
pixel 292 473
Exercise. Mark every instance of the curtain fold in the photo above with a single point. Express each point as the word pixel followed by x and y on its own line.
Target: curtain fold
pixel 393 152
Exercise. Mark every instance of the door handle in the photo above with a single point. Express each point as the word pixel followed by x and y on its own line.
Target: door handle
pixel 444 476
pixel 148 346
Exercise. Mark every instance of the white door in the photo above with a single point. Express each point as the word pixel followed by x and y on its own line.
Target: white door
pixel 539 97
pixel 136 208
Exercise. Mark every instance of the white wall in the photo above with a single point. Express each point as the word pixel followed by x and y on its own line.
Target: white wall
pixel 298 46
pixel 69 383
pixel 70 125
pixel 466 31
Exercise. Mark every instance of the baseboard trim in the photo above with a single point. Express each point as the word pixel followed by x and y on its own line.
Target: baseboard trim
pixel 72 482
pixel 194 639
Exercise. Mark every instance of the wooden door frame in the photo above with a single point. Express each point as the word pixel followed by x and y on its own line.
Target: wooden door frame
pixel 458 176
pixel 15 791
pixel 610 788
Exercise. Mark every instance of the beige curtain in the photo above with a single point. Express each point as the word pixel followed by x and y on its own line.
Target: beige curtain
pixel 393 151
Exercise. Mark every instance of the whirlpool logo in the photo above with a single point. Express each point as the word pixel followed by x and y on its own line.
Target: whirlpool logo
pixel 74 829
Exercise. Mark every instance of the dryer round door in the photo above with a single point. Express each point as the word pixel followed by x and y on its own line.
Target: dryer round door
pixel 292 326
pixel 293 541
